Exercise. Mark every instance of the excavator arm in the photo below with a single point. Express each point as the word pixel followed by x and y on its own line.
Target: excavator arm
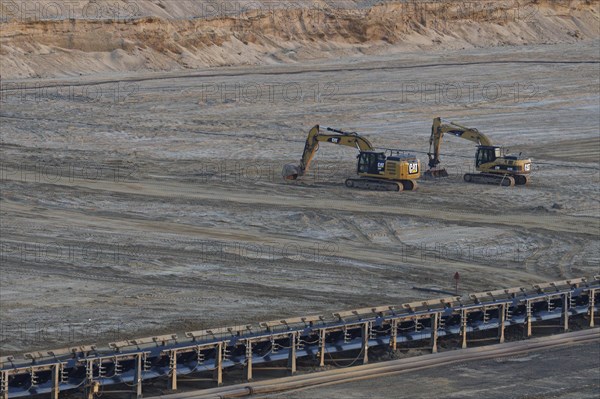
pixel 439 128
pixel 315 136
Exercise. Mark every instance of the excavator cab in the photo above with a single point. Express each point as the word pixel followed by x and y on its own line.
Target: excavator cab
pixel 371 162
pixel 487 154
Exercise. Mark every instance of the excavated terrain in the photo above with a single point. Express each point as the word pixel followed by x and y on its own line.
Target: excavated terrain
pixel 566 375
pixel 141 187
pixel 61 38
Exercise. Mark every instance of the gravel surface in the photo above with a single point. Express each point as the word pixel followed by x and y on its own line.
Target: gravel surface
pixel 562 373
pixel 160 208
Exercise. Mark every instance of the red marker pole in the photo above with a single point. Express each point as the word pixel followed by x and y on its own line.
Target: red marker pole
pixel 456 279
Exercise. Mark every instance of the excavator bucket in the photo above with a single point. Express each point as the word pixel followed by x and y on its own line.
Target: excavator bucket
pixel 290 172
pixel 435 173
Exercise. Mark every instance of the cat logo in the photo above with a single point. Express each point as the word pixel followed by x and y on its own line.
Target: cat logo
pixel 335 140
pixel 413 167
pixel 380 166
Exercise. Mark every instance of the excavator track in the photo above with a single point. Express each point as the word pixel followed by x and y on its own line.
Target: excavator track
pixel 381 185
pixel 490 178
pixel 409 185
pixel 521 180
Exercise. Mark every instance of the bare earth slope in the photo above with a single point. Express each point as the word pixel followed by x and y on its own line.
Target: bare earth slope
pixel 171 35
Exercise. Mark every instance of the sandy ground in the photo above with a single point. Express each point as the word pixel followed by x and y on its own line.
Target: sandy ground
pixel 135 204
pixel 62 38
pixel 566 375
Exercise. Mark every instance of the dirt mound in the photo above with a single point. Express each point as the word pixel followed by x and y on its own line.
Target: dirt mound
pixel 165 40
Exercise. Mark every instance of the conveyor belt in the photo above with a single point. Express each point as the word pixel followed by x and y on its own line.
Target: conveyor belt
pixel 132 362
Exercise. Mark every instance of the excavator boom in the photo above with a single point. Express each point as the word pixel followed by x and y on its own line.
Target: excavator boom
pixel 438 129
pixel 315 136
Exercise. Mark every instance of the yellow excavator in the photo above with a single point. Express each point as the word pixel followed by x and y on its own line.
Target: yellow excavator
pixel 379 171
pixel 494 166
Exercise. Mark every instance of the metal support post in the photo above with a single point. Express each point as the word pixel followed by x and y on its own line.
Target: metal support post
pixel 89 376
pixel 394 334
pixel 292 354
pixel 591 310
pixel 322 349
pixel 218 374
pixel 502 317
pixel 56 380
pixel 365 342
pixel 463 322
pixel 138 375
pixel 565 310
pixel 248 360
pixel 528 307
pixel 434 332
pixel 173 366
pixel 4 385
